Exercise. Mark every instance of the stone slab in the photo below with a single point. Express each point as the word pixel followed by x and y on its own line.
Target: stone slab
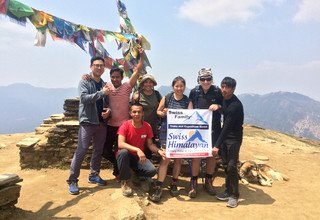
pixel 28 142
pixel 9 195
pixel 9 179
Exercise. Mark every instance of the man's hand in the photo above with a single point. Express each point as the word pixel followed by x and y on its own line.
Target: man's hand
pixel 106 89
pixel 214 107
pixel 215 151
pixel 85 76
pixel 162 153
pixel 142 156
pixel 106 113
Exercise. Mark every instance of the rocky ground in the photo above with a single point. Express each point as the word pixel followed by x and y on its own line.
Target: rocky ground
pixel 44 193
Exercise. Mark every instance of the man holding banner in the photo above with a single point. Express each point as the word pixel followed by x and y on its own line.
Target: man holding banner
pixel 209 97
pixel 229 140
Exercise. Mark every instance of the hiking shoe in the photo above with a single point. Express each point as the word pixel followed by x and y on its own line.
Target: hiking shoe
pixel 232 202
pixel 126 189
pixel 156 195
pixel 96 179
pixel 223 196
pixel 208 186
pixel 73 188
pixel 193 189
pixel 174 190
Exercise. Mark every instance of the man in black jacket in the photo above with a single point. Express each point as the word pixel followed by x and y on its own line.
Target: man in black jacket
pixel 229 140
pixel 206 96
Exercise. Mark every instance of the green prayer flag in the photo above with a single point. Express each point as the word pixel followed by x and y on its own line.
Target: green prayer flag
pixel 19 10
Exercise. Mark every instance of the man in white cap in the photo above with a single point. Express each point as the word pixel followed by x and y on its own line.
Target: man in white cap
pixel 206 96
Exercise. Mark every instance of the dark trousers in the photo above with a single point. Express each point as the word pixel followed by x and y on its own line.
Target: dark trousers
pixel 86 134
pixel 230 156
pixel 127 161
pixel 110 147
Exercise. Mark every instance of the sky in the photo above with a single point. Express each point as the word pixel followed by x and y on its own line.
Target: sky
pixel 266 45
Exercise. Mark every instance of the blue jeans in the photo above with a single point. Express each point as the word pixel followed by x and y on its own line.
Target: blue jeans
pixel 86 134
pixel 126 160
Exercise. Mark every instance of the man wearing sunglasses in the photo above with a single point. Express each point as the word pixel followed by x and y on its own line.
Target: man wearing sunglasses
pixel 206 96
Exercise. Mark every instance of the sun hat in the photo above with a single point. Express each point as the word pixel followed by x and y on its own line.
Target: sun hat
pixel 204 72
pixel 145 77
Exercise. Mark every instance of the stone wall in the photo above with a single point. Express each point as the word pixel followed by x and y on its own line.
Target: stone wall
pixel 54 141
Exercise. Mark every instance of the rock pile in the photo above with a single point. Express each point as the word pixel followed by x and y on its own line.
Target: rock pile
pixel 9 190
pixel 55 141
pixel 71 109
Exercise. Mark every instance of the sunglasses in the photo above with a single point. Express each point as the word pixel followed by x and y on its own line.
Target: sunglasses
pixel 204 79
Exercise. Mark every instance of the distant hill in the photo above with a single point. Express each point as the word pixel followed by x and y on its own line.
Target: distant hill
pixel 291 113
pixel 23 107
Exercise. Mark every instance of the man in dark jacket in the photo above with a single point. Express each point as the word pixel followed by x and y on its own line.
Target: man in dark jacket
pixel 92 93
pixel 206 96
pixel 229 140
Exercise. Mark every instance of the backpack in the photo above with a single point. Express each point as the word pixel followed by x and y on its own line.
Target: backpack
pixel 197 94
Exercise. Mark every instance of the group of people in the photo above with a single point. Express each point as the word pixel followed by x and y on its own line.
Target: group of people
pixel 125 133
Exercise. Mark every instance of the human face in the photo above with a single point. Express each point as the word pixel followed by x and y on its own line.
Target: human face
pixel 136 113
pixel 116 79
pixel 226 91
pixel 179 87
pixel 205 82
pixel 148 85
pixel 97 68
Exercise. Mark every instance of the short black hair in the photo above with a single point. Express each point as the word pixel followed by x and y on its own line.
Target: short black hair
pixel 136 104
pixel 116 69
pixel 96 58
pixel 229 82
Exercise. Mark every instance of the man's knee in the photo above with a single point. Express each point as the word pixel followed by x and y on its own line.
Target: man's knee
pixel 150 170
pixel 123 155
pixel 232 168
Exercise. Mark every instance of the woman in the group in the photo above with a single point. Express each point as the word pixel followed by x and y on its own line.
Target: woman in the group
pixel 149 98
pixel 173 100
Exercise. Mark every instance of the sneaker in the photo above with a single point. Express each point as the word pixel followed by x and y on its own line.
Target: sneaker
pixel 126 189
pixel 174 190
pixel 193 189
pixel 232 202
pixel 208 186
pixel 223 196
pixel 96 179
pixel 156 195
pixel 73 188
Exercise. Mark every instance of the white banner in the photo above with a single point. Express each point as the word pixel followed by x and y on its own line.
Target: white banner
pixel 188 133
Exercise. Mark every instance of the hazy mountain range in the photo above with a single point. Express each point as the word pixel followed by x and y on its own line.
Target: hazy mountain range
pixel 23 107
pixel 291 113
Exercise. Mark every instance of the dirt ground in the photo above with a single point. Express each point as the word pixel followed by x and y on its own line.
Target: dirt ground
pixel 44 193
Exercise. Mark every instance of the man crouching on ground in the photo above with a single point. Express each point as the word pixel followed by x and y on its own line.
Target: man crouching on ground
pixel 133 134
